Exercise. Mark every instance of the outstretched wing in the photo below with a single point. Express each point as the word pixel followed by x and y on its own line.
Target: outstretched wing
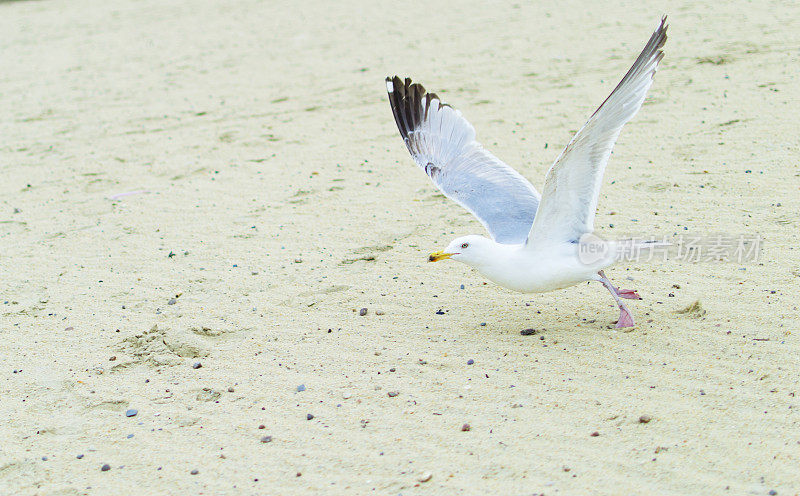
pixel 572 185
pixel 443 143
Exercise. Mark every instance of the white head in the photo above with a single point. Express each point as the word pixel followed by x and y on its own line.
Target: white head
pixel 474 250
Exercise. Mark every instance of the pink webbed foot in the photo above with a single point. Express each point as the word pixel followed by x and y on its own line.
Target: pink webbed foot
pixel 629 294
pixel 625 319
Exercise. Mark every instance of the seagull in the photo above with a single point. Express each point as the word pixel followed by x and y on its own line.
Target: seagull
pixel 534 239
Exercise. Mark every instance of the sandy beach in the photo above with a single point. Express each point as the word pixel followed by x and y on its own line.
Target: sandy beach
pixel 199 198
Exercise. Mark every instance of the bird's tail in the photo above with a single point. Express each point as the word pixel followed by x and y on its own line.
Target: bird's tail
pixel 595 251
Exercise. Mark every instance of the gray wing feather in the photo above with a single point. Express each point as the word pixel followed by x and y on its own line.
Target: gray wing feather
pixel 572 185
pixel 443 144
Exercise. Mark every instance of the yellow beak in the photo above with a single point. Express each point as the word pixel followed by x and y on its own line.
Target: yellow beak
pixel 438 255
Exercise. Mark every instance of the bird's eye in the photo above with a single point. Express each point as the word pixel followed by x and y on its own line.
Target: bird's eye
pixel 464 245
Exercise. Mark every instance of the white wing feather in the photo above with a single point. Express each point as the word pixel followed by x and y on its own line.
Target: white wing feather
pixel 572 185
pixel 443 144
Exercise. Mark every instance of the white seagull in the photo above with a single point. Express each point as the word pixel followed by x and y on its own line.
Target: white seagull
pixel 535 238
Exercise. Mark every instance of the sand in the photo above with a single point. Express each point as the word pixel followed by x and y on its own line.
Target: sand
pixel 272 200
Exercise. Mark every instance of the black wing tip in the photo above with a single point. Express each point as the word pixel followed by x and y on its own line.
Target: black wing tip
pixel 653 50
pixel 410 103
pixel 661 32
pixel 404 86
pixel 650 56
pixel 393 82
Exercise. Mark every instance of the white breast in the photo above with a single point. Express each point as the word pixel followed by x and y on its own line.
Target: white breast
pixel 539 271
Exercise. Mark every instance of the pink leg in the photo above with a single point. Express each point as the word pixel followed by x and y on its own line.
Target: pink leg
pixel 625 317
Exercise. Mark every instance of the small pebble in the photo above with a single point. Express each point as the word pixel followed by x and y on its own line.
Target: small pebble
pixel 79 457
pixel 230 389
pixel 772 492
pixel 425 477
pixel 528 332
pixel 465 428
pixel 309 417
pixel 197 365
pixel 565 468
pixel 301 388
pixel 172 301
pixel 44 458
pixel 266 439
pixel 131 412
pixel 105 468
pixel 194 472
pixel 362 312
pixel 594 434
pixel 470 361
pixel 392 394
pixel 129 436
pixel 645 419
pixel 379 312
